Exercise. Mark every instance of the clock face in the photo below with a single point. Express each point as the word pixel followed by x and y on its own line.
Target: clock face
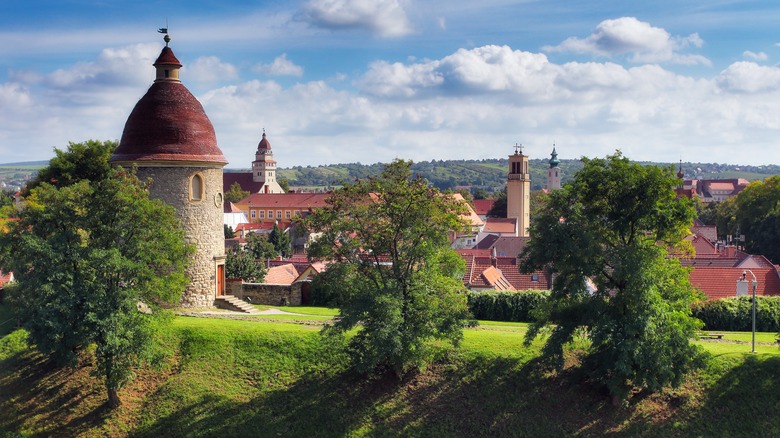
pixel 218 199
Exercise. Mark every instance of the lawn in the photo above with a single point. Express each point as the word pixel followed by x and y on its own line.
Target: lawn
pixel 277 378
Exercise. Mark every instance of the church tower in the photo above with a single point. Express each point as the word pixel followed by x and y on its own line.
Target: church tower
pixel 554 172
pixel 264 168
pixel 518 191
pixel 171 140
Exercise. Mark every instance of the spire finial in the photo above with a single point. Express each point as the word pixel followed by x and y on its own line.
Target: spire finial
pixel 166 38
pixel 518 148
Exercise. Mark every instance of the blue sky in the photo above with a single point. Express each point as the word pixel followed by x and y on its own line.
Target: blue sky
pixel 337 81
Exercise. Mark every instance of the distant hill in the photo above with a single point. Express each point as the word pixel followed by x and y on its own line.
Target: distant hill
pixel 26 164
pixel 490 174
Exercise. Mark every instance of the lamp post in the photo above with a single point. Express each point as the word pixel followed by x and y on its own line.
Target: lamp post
pixel 755 283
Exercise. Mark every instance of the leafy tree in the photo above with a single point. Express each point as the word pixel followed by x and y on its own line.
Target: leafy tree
pixel 398 280
pixel 611 225
pixel 229 233
pixel 260 247
pixel 284 184
pixel 235 193
pixel 499 204
pixel 87 160
pixel 281 241
pixel 706 212
pixel 755 212
pixel 240 263
pixel 84 255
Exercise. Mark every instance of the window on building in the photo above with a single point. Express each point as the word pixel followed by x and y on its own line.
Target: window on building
pixel 196 188
pixel 270 214
pixel 297 213
pixel 278 214
pixel 252 213
pixel 535 277
pixel 287 214
pixel 262 214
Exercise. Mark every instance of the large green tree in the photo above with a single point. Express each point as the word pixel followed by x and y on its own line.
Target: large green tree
pixel 611 227
pixel 755 213
pixel 396 277
pixel 84 256
pixel 87 160
pixel 241 263
pixel 281 241
pixel 235 193
pixel 260 247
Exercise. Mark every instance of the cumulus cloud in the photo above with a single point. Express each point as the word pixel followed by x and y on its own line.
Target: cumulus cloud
pixel 280 67
pixel 749 77
pixel 760 56
pixel 385 18
pixel 114 67
pixel 627 35
pixel 210 69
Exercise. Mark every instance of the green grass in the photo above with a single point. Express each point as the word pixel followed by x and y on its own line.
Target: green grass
pixel 260 378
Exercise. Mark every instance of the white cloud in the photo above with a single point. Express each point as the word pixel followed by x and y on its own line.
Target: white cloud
pixel 627 35
pixel 210 69
pixel 760 56
pixel 749 77
pixel 280 67
pixel 385 18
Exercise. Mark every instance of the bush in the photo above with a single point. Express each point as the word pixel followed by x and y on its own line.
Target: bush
pixel 734 314
pixel 516 306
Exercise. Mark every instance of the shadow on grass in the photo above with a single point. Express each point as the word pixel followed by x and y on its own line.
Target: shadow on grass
pixel 497 397
pixel 743 401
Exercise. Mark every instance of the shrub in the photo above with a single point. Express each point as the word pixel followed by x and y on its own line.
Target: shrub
pixel 516 306
pixel 734 314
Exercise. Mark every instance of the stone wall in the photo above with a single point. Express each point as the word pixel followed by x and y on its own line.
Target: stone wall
pixel 202 222
pixel 269 294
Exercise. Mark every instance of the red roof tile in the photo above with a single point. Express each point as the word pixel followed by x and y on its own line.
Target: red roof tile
pixel 284 274
pixel 244 179
pixel 722 282
pixel 300 201
pixel 483 206
pixel 500 225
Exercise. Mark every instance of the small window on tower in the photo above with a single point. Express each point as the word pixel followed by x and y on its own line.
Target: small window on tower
pixel 167 73
pixel 196 188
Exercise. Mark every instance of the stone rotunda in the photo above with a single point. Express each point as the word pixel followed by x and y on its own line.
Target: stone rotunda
pixel 169 138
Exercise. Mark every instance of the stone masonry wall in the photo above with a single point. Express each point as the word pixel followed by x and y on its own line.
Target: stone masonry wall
pixel 201 220
pixel 270 294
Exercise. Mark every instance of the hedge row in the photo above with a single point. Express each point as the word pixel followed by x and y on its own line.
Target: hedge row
pixel 506 306
pixel 735 314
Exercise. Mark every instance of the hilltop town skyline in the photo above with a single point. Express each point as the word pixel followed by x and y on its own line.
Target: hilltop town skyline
pixel 343 81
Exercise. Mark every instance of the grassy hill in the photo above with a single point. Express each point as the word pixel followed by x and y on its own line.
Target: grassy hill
pixel 276 376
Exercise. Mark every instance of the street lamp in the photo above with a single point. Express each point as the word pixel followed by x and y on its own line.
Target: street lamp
pixel 755 283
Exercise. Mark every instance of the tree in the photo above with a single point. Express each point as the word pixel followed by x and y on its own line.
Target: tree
pixel 229 233
pixel 392 268
pixel 84 256
pixel 240 263
pixel 755 212
pixel 87 160
pixel 499 207
pixel 612 225
pixel 260 247
pixel 281 241
pixel 284 184
pixel 235 193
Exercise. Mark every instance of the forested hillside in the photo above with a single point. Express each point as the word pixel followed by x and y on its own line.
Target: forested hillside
pixel 491 174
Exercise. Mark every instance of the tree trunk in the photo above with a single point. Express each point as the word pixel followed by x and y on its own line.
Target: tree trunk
pixel 113 398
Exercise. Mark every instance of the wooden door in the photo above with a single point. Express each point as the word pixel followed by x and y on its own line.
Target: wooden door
pixel 220 280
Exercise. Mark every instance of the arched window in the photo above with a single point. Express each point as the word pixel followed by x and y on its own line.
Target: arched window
pixel 196 188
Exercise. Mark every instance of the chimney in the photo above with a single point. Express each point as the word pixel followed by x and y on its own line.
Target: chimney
pixel 493 257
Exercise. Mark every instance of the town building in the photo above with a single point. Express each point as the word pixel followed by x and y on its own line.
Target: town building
pixel 518 191
pixel 171 141
pixel 262 178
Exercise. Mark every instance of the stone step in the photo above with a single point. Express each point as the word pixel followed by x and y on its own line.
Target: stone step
pixel 230 302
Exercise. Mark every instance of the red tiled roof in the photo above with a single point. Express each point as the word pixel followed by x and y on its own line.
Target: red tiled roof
pixel 709 232
pixel 230 207
pixel 483 206
pixel 500 225
pixel 284 274
pixel 722 282
pixel 5 278
pixel 476 265
pixel 487 242
pixel 300 201
pixel 168 124
pixel 167 58
pixel 244 179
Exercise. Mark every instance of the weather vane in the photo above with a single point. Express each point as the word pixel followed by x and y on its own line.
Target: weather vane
pixel 164 30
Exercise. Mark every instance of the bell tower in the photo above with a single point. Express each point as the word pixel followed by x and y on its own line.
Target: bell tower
pixel 554 172
pixel 264 168
pixel 518 190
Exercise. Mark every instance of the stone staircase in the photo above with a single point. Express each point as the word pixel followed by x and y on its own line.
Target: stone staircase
pixel 230 302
